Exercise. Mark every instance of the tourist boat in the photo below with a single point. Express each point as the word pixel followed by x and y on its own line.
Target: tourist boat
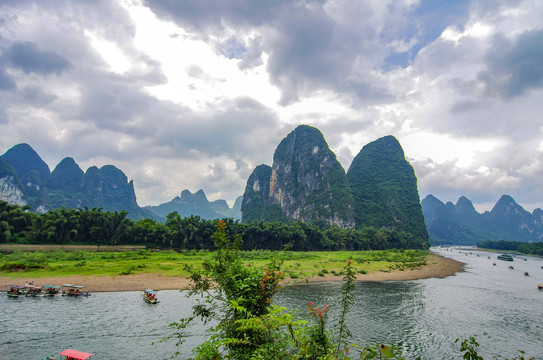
pixel 50 290
pixel 540 286
pixel 74 290
pixel 32 290
pixel 505 257
pixel 71 354
pixel 14 291
pixel 149 296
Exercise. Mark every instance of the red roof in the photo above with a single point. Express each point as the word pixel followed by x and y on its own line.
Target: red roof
pixel 78 355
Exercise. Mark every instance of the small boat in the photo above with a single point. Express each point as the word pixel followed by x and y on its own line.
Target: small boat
pixel 50 290
pixel 32 290
pixel 149 296
pixel 71 354
pixel 526 273
pixel 505 257
pixel 74 290
pixel 14 291
pixel 540 286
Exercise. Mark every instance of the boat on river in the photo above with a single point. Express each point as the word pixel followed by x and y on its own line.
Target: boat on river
pixel 149 296
pixel 505 257
pixel 540 286
pixel 50 290
pixel 32 290
pixel 14 291
pixel 74 290
pixel 71 354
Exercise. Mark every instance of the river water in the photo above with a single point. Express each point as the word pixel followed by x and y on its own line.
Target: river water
pixel 503 307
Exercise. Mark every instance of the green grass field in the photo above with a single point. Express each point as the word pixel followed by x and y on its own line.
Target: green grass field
pixel 58 262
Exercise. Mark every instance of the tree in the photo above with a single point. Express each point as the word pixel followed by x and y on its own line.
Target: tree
pixel 117 224
pixel 231 292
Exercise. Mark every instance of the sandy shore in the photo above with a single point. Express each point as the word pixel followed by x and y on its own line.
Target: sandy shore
pixel 437 266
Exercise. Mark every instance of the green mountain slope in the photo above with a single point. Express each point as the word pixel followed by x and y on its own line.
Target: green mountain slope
pixel 384 188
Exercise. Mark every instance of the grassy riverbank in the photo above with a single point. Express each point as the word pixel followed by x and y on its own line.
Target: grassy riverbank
pixel 56 262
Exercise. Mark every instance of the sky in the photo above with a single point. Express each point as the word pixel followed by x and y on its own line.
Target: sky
pixel 195 94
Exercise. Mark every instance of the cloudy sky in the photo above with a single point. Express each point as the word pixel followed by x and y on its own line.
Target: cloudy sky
pixel 194 94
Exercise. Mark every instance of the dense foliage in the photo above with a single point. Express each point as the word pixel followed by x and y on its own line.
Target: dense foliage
pixel 98 227
pixel 535 248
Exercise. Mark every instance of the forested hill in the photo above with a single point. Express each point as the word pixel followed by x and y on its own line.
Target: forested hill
pixel 25 179
pixel 461 224
pixel 306 182
pixel 384 188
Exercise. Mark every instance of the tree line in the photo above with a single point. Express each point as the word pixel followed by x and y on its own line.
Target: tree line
pixel 98 227
pixel 535 248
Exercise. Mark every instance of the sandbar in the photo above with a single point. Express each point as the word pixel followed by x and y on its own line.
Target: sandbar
pixel 437 266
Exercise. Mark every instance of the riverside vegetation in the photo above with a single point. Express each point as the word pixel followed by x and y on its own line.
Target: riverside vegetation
pixel 97 227
pixel 237 300
pixel 296 265
pixel 535 248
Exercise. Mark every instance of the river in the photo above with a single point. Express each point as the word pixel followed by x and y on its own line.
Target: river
pixel 503 307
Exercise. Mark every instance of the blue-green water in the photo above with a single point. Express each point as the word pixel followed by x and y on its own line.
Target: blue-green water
pixel 423 317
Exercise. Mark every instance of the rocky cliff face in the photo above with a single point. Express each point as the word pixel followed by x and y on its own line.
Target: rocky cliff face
pixel 462 224
pixel 306 182
pixel 384 188
pixel 256 205
pixel 11 189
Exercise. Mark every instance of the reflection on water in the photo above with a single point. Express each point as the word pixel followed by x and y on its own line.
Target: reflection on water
pixel 423 317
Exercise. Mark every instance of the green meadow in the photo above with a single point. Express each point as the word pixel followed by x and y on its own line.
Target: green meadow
pixel 297 265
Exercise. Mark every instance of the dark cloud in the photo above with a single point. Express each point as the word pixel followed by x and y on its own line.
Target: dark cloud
pixel 7 83
pixel 37 96
pixel 514 67
pixel 236 128
pixel 28 57
pixel 213 15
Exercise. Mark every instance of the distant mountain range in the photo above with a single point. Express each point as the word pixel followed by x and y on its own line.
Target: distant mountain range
pixel 25 179
pixel 461 224
pixel 197 204
pixel 306 182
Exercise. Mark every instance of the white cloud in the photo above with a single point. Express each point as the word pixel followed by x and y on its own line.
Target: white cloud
pixel 112 55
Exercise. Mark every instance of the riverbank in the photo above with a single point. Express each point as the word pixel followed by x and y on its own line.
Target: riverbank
pixel 437 266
